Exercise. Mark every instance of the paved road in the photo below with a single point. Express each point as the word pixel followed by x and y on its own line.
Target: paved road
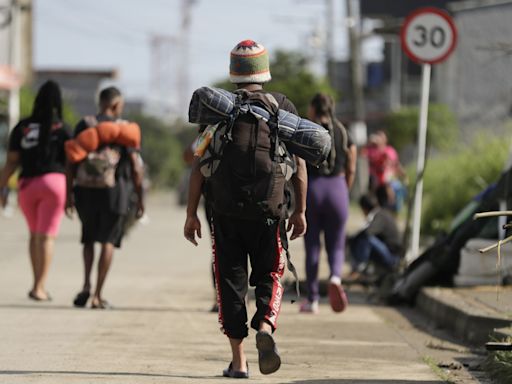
pixel 161 331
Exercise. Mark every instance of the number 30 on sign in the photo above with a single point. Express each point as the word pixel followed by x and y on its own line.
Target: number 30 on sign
pixel 428 35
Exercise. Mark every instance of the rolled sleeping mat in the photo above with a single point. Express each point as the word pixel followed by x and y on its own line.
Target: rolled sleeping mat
pixel 210 105
pixel 123 133
pixel 303 137
pixel 108 131
pixel 89 139
pixel 74 152
pixel 129 135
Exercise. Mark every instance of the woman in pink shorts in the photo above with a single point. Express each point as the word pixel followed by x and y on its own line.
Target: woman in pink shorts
pixel 36 145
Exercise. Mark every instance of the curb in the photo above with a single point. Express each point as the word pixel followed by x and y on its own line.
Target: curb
pixel 467 318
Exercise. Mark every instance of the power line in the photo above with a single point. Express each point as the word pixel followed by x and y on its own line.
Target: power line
pixel 108 18
pixel 90 26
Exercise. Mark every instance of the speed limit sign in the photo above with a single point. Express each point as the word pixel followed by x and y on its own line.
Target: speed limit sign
pixel 428 35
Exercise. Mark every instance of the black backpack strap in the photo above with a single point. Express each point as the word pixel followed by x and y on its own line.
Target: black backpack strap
pixel 289 264
pixel 90 121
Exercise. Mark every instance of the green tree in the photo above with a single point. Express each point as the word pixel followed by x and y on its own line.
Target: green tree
pixel 161 151
pixel 291 76
pixel 402 127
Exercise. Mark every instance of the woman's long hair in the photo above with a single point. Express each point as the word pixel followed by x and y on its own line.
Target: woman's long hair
pixel 323 109
pixel 47 108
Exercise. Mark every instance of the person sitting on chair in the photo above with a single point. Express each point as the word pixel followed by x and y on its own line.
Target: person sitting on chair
pixel 379 241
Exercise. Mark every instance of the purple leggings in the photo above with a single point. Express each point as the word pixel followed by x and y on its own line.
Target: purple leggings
pixel 327 211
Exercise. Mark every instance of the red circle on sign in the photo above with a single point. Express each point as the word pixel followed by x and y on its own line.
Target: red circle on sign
pixel 419 12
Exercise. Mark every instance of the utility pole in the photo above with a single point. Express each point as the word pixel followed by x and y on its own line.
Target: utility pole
pixel 163 73
pixel 358 125
pixel 14 62
pixel 183 71
pixel 329 36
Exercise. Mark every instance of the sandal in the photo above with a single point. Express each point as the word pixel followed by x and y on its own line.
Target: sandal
pixel 268 358
pixel 81 299
pixel 103 304
pixel 229 372
pixel 33 296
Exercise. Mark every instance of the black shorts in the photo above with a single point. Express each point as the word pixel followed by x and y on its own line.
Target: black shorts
pixel 101 226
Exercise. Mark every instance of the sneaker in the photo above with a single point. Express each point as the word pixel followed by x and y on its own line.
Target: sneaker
pixel 309 307
pixel 337 297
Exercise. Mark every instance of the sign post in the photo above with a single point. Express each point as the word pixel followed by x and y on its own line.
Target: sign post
pixel 428 37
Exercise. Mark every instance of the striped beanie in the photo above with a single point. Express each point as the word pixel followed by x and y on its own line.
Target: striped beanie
pixel 249 63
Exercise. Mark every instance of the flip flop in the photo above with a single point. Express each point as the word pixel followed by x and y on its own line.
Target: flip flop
pixel 268 358
pixel 81 299
pixel 229 372
pixel 103 304
pixel 32 296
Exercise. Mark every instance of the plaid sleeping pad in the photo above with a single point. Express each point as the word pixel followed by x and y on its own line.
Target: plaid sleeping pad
pixel 303 138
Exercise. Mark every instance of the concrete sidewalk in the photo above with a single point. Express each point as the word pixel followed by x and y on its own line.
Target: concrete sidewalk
pixel 161 331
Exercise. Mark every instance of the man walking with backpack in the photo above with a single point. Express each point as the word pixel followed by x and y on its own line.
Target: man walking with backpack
pixel 104 181
pixel 247 196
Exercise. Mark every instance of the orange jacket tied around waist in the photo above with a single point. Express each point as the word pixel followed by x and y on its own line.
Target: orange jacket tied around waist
pixel 106 132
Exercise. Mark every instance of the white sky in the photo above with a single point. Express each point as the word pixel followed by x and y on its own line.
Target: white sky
pixel 115 34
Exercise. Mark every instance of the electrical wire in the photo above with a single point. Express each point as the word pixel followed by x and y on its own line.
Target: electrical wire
pixel 89 26
pixel 86 30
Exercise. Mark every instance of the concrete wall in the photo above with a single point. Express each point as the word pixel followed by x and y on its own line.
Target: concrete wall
pixel 477 79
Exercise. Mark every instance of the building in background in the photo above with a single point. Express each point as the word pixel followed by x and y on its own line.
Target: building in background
pixel 475 81
pixel 17 39
pixel 15 60
pixel 79 86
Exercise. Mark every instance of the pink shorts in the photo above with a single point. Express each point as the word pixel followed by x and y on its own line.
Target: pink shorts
pixel 42 200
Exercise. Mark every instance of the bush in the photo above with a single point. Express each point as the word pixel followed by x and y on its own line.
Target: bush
pixel 454 178
pixel 161 151
pixel 499 366
pixel 402 127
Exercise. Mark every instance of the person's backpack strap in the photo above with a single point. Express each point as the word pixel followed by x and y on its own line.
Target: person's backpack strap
pixel 289 264
pixel 90 121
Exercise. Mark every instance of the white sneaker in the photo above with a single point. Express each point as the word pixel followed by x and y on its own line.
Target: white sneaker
pixel 309 307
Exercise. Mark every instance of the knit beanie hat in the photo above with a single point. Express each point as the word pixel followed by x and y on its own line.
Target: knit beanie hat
pixel 249 63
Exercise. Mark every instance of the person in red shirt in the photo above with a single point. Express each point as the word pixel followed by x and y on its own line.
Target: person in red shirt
pixel 385 169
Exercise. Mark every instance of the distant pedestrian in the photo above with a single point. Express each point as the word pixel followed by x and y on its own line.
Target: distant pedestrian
pixel 379 241
pixel 104 182
pixel 328 206
pixel 386 172
pixel 248 214
pixel 36 145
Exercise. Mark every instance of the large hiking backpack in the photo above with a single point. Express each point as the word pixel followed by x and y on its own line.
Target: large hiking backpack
pixel 246 165
pixel 98 169
pixel 303 138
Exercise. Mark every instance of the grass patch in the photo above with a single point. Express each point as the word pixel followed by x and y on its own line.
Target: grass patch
pixel 441 373
pixel 499 366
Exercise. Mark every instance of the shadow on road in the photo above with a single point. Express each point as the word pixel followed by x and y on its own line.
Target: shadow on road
pixel 352 381
pixel 118 309
pixel 92 373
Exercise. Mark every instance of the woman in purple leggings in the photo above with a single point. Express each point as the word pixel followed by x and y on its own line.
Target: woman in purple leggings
pixel 327 206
